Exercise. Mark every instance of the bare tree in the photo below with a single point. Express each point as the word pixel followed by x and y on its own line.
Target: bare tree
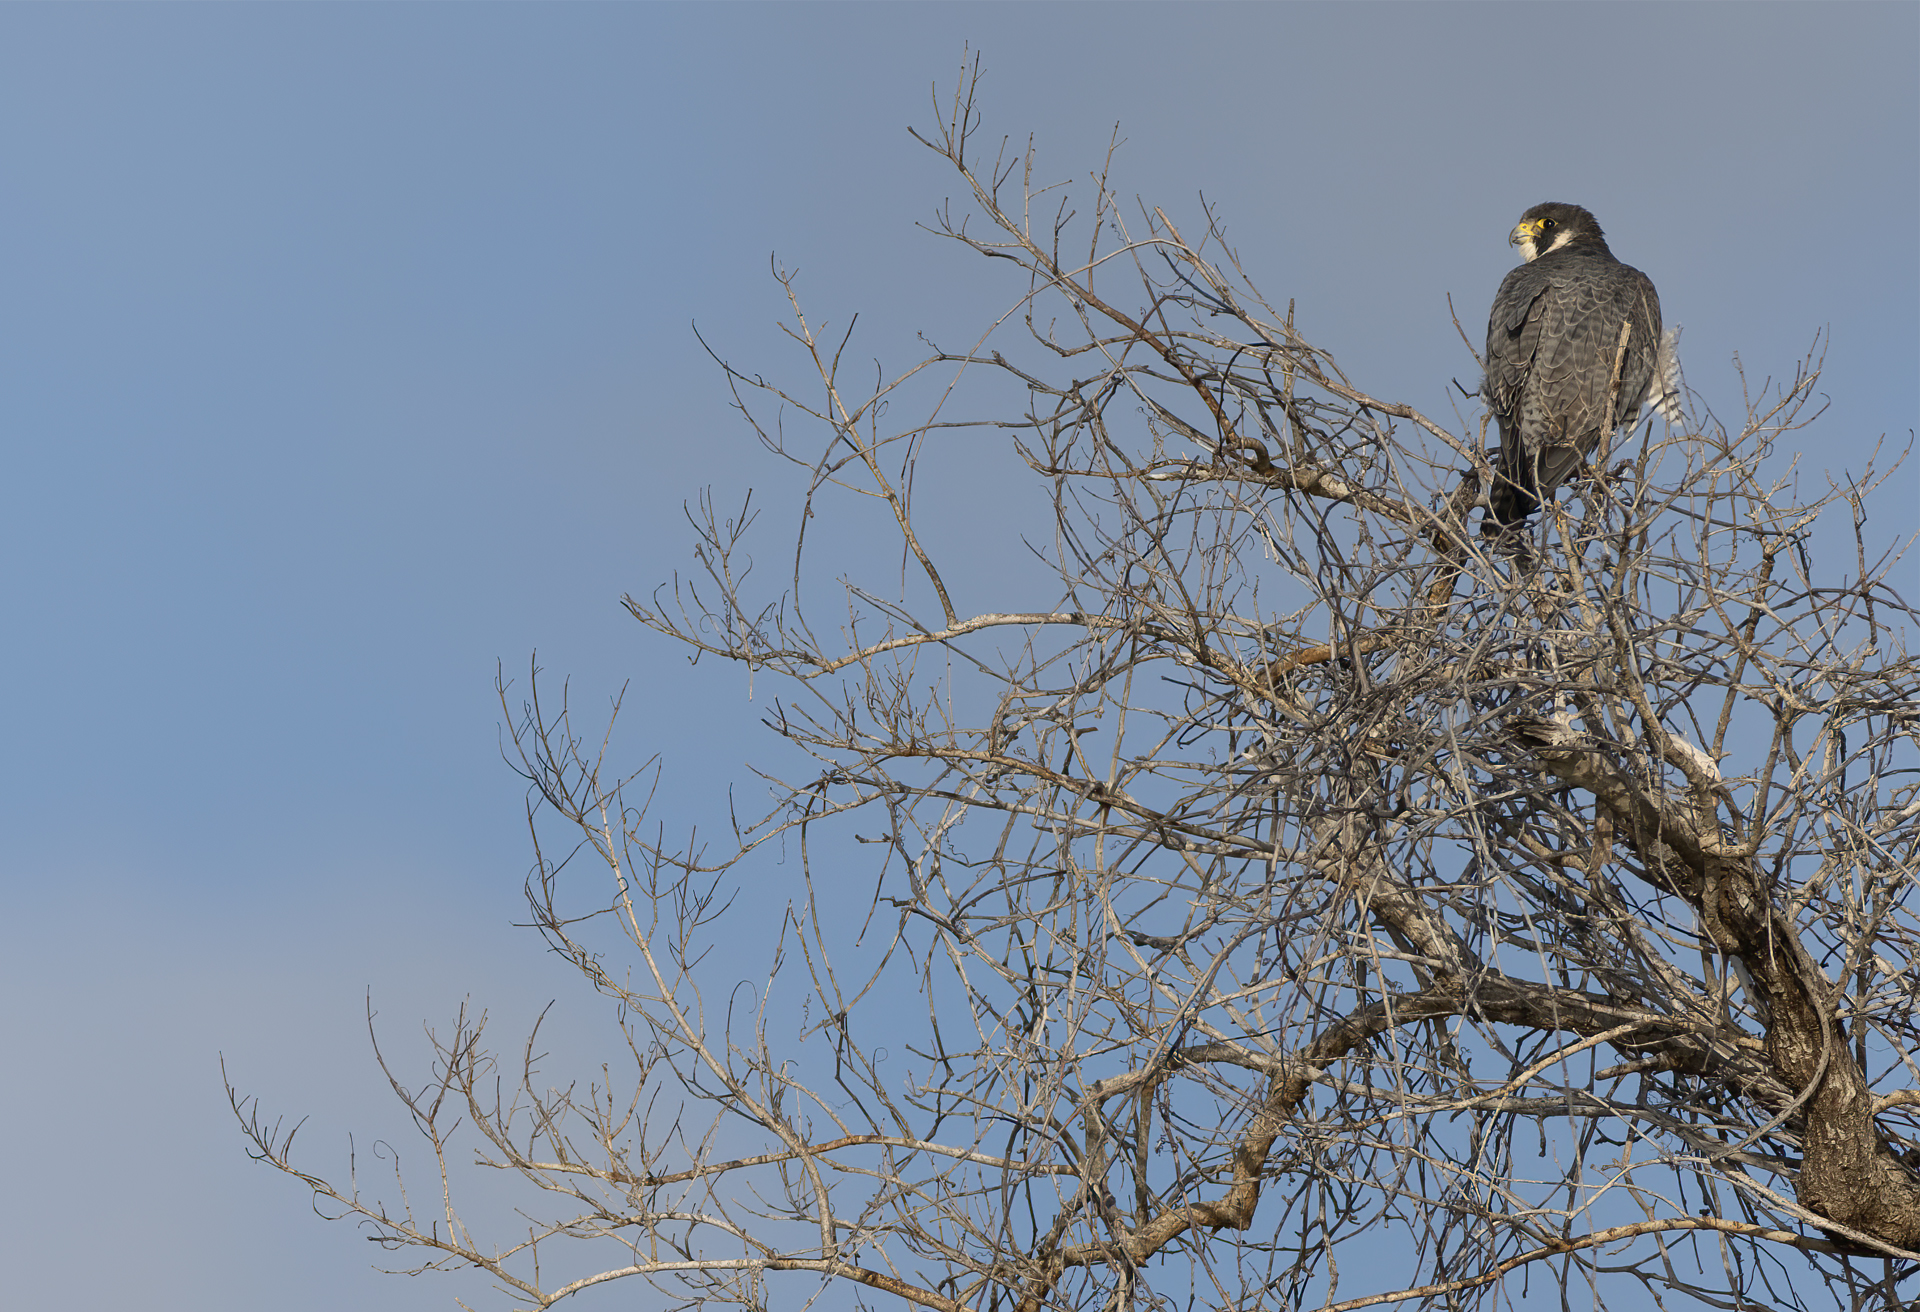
pixel 1312 881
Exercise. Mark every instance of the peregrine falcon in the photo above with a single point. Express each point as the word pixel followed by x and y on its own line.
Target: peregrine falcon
pixel 1555 356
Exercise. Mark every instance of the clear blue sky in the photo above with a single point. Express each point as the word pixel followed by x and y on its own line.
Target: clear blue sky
pixel 345 351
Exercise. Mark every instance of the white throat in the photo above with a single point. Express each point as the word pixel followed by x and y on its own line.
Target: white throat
pixel 1530 249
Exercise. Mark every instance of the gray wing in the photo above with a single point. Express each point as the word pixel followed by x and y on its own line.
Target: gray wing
pixel 1552 346
pixel 1513 338
pixel 1574 364
pixel 1513 334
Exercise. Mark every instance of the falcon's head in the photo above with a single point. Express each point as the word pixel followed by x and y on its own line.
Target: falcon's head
pixel 1552 225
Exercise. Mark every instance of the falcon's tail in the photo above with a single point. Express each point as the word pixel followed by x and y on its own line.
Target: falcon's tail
pixel 1512 497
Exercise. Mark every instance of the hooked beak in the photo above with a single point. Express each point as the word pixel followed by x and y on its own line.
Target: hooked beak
pixel 1526 237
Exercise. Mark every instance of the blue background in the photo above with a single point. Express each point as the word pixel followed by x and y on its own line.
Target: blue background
pixel 347 351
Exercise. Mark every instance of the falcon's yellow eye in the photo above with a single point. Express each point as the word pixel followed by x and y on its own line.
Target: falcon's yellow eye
pixel 1546 223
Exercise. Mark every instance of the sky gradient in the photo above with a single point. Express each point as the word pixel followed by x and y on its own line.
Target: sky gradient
pixel 348 356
